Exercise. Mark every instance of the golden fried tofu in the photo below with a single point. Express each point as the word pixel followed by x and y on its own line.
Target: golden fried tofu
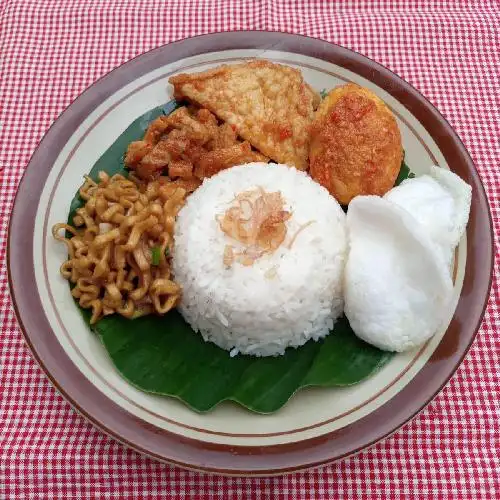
pixel 269 105
pixel 355 144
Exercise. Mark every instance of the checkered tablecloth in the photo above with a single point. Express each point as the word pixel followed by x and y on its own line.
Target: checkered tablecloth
pixel 52 50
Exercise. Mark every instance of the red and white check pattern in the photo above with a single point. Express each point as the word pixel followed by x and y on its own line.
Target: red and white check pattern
pixel 51 51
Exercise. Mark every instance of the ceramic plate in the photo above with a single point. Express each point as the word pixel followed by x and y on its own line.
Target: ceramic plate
pixel 317 425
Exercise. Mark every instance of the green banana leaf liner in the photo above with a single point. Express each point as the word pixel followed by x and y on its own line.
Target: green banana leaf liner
pixel 163 355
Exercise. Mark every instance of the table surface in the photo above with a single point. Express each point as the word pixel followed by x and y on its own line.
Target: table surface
pixel 51 51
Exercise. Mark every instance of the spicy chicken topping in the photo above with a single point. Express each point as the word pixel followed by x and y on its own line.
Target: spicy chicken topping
pixel 188 145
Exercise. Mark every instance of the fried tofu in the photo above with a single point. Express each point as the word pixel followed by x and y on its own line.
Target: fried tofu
pixel 269 105
pixel 356 144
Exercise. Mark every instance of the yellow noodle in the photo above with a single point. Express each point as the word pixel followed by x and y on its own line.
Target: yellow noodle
pixel 131 220
pixel 140 259
pixel 108 214
pixel 163 308
pixel 128 309
pixel 103 177
pixel 87 285
pixel 144 284
pixel 86 188
pixel 66 269
pixel 110 251
pixel 102 264
pixel 105 239
pixel 164 248
pixel 56 233
pixel 137 230
pixel 81 251
pixel 78 220
pixel 169 223
pixel 163 286
pixel 87 219
pixel 156 231
pixel 120 278
pixel 100 204
pixel 90 205
pixel 96 306
pixel 114 293
pixel 155 209
pixel 86 299
pixel 152 190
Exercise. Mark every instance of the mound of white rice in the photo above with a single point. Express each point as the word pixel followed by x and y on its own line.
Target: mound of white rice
pixel 284 298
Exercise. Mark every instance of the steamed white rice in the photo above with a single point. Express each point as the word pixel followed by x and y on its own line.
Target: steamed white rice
pixel 283 299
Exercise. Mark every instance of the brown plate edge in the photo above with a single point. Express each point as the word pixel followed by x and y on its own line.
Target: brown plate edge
pixel 224 459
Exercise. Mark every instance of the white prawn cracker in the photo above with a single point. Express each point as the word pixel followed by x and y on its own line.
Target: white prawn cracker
pixel 440 202
pixel 397 285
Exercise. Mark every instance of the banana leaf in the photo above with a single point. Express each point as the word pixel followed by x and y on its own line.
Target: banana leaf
pixel 163 355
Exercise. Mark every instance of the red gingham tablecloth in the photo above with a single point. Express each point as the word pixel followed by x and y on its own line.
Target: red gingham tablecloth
pixel 50 51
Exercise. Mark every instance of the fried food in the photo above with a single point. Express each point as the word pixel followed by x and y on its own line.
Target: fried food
pixel 355 144
pixel 120 247
pixel 180 168
pixel 268 104
pixel 136 151
pixel 156 129
pixel 220 159
pixel 197 131
pixel 189 145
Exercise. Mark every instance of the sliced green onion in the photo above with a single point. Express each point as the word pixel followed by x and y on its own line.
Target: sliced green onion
pixel 155 256
pixel 167 252
pixel 323 93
